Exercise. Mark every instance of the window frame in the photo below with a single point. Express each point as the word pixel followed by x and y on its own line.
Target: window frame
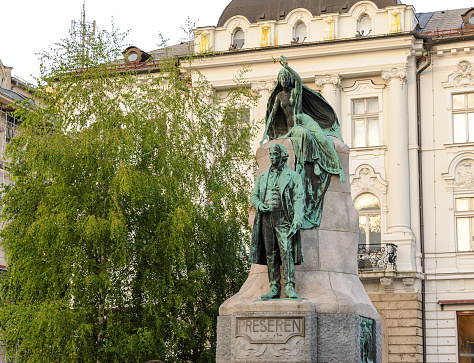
pixel 362 88
pixel 368 213
pixel 297 24
pixel 365 116
pixel 233 37
pixel 365 15
pixel 464 214
pixel 466 110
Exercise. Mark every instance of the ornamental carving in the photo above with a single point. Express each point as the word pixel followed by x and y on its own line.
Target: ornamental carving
pixel 465 174
pixel 291 348
pixel 464 77
pixel 263 86
pixel 330 79
pixel 390 74
pixel 366 180
pixel 329 33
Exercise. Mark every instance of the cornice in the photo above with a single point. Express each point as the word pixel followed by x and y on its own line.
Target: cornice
pixel 405 42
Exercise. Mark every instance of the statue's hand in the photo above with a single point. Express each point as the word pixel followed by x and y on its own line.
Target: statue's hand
pixel 263 208
pixel 283 61
pixel 296 226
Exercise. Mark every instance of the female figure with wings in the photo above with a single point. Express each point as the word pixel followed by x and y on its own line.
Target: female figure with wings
pixel 295 111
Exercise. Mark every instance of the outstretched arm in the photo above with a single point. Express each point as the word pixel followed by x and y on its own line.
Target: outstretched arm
pixel 296 76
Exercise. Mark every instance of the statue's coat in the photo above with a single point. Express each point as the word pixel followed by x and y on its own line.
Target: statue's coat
pixel 292 197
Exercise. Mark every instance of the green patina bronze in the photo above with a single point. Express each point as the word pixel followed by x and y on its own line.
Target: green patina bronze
pixel 287 200
pixel 278 197
pixel 366 340
pixel 295 111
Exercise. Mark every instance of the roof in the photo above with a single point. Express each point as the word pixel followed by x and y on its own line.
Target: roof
pixel 14 96
pixel 258 10
pixel 423 19
pixel 183 48
pixel 442 20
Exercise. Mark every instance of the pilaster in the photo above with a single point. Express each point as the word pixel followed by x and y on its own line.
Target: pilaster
pixel 330 85
pixel 263 89
pixel 398 170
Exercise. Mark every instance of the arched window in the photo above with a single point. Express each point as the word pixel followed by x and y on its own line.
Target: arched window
pixel 300 32
pixel 238 39
pixel 370 226
pixel 365 25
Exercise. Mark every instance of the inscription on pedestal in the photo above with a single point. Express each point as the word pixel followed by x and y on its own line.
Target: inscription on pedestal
pixel 276 330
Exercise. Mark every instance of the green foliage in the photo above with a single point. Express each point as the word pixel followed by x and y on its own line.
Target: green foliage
pixel 125 228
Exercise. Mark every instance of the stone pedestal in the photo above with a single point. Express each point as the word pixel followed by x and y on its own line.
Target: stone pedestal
pixel 324 324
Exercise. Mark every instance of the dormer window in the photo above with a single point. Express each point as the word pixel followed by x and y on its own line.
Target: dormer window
pixel 365 25
pixel 134 55
pixel 238 39
pixel 300 33
pixel 468 18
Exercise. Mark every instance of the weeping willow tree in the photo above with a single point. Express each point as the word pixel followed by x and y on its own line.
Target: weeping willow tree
pixel 125 227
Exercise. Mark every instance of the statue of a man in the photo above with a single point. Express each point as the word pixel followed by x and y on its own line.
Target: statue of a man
pixel 278 197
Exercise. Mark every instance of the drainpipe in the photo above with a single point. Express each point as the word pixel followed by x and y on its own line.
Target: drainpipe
pixel 428 43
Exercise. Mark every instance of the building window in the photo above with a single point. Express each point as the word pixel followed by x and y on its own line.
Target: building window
pixel 370 226
pixel 466 336
pixel 463 117
pixel 240 133
pixel 365 120
pixel 365 25
pixel 238 39
pixel 300 33
pixel 465 223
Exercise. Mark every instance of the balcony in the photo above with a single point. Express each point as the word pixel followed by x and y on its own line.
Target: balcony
pixel 377 257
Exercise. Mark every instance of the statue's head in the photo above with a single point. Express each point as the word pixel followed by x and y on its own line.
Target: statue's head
pixel 278 154
pixel 285 79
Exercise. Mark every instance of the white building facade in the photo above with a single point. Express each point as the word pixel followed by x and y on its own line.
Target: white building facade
pixel 402 85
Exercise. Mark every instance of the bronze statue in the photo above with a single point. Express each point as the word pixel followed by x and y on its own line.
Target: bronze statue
pixel 278 197
pixel 295 111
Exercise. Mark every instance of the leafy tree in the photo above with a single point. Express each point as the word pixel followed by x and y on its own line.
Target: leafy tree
pixel 125 228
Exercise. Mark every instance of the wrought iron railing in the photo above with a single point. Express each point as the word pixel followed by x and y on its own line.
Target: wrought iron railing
pixel 449 33
pixel 377 258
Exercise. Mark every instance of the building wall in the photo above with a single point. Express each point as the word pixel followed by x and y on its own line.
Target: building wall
pixel 348 68
pixel 449 271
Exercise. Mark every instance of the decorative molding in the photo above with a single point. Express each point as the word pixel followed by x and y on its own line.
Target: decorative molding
pixel 366 180
pixel 400 73
pixel 247 349
pixel 330 79
pixel 395 25
pixel 409 283
pixel 463 76
pixel 329 31
pixel 465 174
pixel 363 85
pixel 388 283
pixel 257 87
pixel 291 348
pixel 460 173
pixel 265 35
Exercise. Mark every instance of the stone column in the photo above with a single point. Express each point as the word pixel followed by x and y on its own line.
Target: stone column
pixel 263 89
pixel 331 90
pixel 398 169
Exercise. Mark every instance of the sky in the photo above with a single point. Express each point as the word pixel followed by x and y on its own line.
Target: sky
pixel 29 27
